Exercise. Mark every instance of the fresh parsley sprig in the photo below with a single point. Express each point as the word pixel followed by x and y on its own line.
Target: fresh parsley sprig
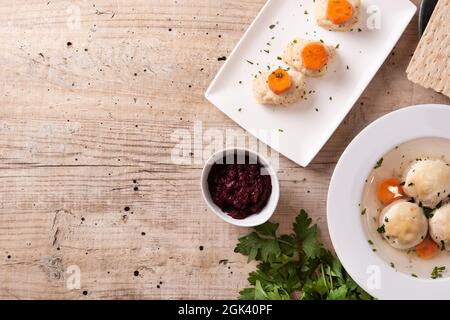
pixel 294 266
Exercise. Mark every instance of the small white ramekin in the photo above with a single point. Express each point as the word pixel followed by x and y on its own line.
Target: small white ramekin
pixel 255 219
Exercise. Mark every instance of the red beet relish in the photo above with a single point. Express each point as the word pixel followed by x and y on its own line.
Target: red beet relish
pixel 239 189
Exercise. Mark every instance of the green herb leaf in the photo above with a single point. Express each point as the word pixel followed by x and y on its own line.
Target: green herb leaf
pixel 381 229
pixel 379 163
pixel 338 294
pixel 437 272
pixel 268 229
pixel 307 235
pixel 247 294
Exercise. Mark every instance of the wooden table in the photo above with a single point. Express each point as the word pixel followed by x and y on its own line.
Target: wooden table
pixel 88 107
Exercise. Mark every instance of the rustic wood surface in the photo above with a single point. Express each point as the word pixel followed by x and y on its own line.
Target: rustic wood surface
pixel 87 112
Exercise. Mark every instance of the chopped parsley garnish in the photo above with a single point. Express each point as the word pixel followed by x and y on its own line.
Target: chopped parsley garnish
pixel 272 26
pixel 249 61
pixel 381 229
pixel 280 130
pixel 437 272
pixel 379 163
pixel 442 245
pixel 414 275
pixel 364 211
pixel 338 45
pixel 370 242
pixel 392 265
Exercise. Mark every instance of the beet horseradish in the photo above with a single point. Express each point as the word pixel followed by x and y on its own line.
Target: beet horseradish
pixel 239 185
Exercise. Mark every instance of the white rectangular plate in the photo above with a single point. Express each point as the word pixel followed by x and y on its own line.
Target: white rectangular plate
pixel 306 126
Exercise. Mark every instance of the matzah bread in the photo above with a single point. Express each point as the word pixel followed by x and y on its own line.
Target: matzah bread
pixel 430 65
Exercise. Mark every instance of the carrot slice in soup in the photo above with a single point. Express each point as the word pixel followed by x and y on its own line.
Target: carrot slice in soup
pixel 314 56
pixel 427 249
pixel 389 191
pixel 279 81
pixel 339 11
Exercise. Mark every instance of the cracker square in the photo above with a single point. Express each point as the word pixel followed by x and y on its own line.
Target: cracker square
pixel 430 65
